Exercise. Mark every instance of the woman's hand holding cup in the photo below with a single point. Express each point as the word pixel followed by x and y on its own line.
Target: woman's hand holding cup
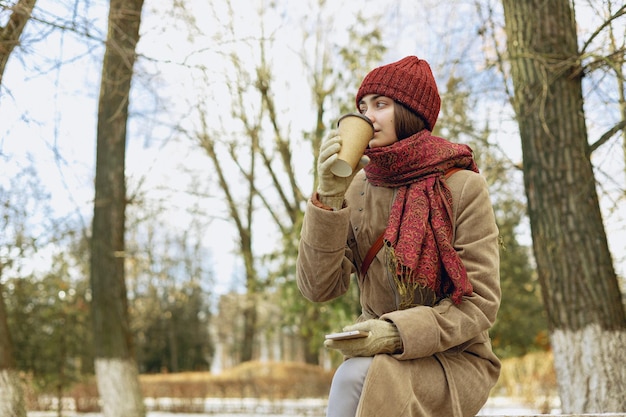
pixel 332 188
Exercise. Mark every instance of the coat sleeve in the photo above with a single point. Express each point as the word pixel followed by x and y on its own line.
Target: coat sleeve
pixel 324 264
pixel 429 330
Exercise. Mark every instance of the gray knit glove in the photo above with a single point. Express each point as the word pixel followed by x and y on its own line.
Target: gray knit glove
pixel 331 188
pixel 383 338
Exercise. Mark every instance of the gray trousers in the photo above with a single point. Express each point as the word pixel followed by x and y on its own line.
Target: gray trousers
pixel 346 387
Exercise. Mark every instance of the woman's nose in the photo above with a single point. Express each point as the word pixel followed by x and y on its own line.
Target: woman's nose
pixel 369 114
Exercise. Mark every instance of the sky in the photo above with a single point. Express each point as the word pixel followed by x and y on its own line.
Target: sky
pixel 48 111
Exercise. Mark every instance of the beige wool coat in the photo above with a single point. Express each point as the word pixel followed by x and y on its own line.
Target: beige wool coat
pixel 447 367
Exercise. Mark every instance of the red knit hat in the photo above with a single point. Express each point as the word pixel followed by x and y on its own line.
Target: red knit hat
pixel 408 81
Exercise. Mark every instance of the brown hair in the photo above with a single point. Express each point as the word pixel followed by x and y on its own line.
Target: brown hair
pixel 407 122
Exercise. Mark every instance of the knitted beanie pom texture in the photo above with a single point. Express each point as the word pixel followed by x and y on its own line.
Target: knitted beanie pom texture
pixel 410 82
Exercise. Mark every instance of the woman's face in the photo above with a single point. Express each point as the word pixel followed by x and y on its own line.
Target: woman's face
pixel 380 110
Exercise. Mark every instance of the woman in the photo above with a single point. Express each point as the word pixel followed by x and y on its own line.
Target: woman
pixel 430 295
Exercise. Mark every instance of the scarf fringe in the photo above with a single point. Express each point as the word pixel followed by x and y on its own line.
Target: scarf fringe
pixel 406 283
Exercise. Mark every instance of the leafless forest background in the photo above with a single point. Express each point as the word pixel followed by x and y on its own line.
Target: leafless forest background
pixel 207 158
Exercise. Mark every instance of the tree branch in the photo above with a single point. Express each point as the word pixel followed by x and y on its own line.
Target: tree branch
pixel 606 136
pixel 620 12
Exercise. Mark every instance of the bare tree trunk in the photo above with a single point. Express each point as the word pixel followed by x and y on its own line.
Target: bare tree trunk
pixel 11 396
pixel 580 287
pixel 243 221
pixel 116 370
pixel 10 34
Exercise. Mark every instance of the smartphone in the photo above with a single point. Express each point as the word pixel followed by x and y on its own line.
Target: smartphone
pixel 355 334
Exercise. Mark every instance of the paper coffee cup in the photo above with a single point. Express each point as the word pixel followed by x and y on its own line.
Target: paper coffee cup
pixel 356 131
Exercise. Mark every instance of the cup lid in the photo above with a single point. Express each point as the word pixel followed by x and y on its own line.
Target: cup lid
pixel 362 116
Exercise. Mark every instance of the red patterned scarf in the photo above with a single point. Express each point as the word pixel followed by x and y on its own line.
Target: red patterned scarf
pixel 419 233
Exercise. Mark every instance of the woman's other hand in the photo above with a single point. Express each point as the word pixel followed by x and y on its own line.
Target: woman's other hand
pixel 383 338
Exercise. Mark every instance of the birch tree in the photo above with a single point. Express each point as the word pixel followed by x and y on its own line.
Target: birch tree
pixel 579 284
pixel 11 396
pixel 116 370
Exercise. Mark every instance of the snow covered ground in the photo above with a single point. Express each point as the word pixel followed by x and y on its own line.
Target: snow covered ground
pixel 250 407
